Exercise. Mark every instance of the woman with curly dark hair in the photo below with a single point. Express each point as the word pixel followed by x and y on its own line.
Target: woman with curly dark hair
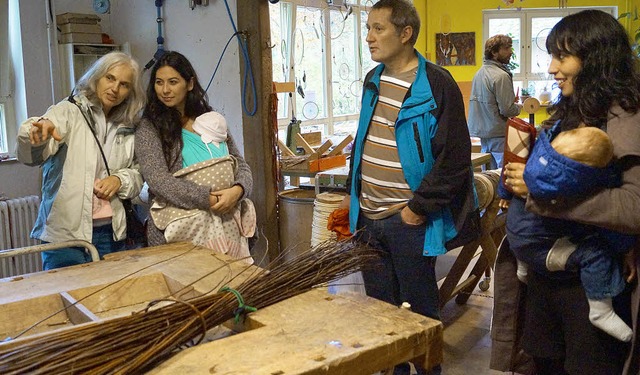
pixel 608 74
pixel 597 74
pixel 177 132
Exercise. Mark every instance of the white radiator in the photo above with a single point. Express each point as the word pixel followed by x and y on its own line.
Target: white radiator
pixel 17 217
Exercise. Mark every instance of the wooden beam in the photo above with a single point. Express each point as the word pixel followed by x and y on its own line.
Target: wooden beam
pixel 324 147
pixel 284 149
pixel 258 132
pixel 300 141
pixel 77 312
pixel 338 149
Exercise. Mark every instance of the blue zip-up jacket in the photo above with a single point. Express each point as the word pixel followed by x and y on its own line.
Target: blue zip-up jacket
pixel 435 154
pixel 550 175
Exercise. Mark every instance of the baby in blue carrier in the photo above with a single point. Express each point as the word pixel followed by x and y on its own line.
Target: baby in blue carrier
pixel 576 163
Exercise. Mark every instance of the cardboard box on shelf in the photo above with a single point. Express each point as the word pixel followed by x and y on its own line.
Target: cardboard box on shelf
pixel 80 28
pixel 90 19
pixel 81 38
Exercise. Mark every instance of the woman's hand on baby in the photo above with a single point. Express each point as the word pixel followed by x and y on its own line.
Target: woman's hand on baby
pixel 514 173
pixel 107 187
pixel 504 203
pixel 222 201
pixel 629 266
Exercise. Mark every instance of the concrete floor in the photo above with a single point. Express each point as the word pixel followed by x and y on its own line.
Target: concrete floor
pixel 467 340
pixel 467 337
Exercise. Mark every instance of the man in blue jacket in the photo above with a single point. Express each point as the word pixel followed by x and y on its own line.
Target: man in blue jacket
pixel 410 180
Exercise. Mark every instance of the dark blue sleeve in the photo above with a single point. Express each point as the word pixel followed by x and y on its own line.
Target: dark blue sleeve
pixel 502 191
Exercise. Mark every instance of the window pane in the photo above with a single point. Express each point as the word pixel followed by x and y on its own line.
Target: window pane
pixel 540 28
pixel 280 50
pixel 346 127
pixel 543 86
pixel 343 63
pixel 3 132
pixel 368 3
pixel 312 128
pixel 517 86
pixel 365 55
pixel 512 28
pixel 365 59
pixel 323 50
pixel 308 63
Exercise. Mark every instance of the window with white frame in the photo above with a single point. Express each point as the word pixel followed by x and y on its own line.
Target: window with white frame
pixel 529 29
pixel 5 96
pixel 320 48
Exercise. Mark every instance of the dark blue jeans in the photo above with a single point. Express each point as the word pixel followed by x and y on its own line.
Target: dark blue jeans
pixel 403 274
pixel 598 261
pixel 102 239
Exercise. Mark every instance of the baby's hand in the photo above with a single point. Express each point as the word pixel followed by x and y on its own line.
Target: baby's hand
pixel 504 203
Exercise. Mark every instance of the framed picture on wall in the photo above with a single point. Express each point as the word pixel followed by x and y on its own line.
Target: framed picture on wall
pixel 456 49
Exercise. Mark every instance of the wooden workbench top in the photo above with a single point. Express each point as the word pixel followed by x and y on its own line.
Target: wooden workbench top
pixel 317 333
pixel 181 262
pixel 311 333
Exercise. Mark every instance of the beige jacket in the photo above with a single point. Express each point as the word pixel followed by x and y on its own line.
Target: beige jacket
pixel 69 171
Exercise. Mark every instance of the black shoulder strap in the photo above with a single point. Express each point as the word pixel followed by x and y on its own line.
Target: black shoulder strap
pixel 71 99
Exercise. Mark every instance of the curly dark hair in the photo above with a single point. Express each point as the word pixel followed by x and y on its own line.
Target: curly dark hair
pixel 493 45
pixel 609 73
pixel 167 121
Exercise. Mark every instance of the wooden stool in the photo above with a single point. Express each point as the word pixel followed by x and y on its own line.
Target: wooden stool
pixel 492 231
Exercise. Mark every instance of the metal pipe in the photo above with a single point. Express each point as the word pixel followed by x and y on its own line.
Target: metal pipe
pixel 52 246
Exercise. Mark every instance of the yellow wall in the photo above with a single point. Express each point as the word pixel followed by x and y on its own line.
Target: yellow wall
pixel 466 16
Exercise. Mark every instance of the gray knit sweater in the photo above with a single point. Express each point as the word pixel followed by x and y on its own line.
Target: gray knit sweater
pixel 178 192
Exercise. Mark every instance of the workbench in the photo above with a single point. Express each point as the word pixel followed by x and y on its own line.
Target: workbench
pixel 334 179
pixel 314 332
pixel 317 333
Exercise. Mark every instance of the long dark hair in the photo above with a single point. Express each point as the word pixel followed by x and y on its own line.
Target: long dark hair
pixel 609 73
pixel 167 121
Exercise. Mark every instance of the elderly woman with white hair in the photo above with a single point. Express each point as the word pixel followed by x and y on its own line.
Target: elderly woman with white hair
pixel 84 145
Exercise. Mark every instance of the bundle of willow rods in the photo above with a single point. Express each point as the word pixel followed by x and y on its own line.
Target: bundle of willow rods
pixel 138 342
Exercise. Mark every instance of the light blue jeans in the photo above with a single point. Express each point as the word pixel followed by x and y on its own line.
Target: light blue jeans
pixel 495 147
pixel 102 239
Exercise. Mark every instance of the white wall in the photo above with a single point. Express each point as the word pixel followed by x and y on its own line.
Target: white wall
pixel 199 34
pixel 33 89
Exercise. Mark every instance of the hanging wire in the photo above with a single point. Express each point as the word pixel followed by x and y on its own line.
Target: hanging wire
pixel 297 32
pixel 333 25
pixel 248 72
pixel 220 59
